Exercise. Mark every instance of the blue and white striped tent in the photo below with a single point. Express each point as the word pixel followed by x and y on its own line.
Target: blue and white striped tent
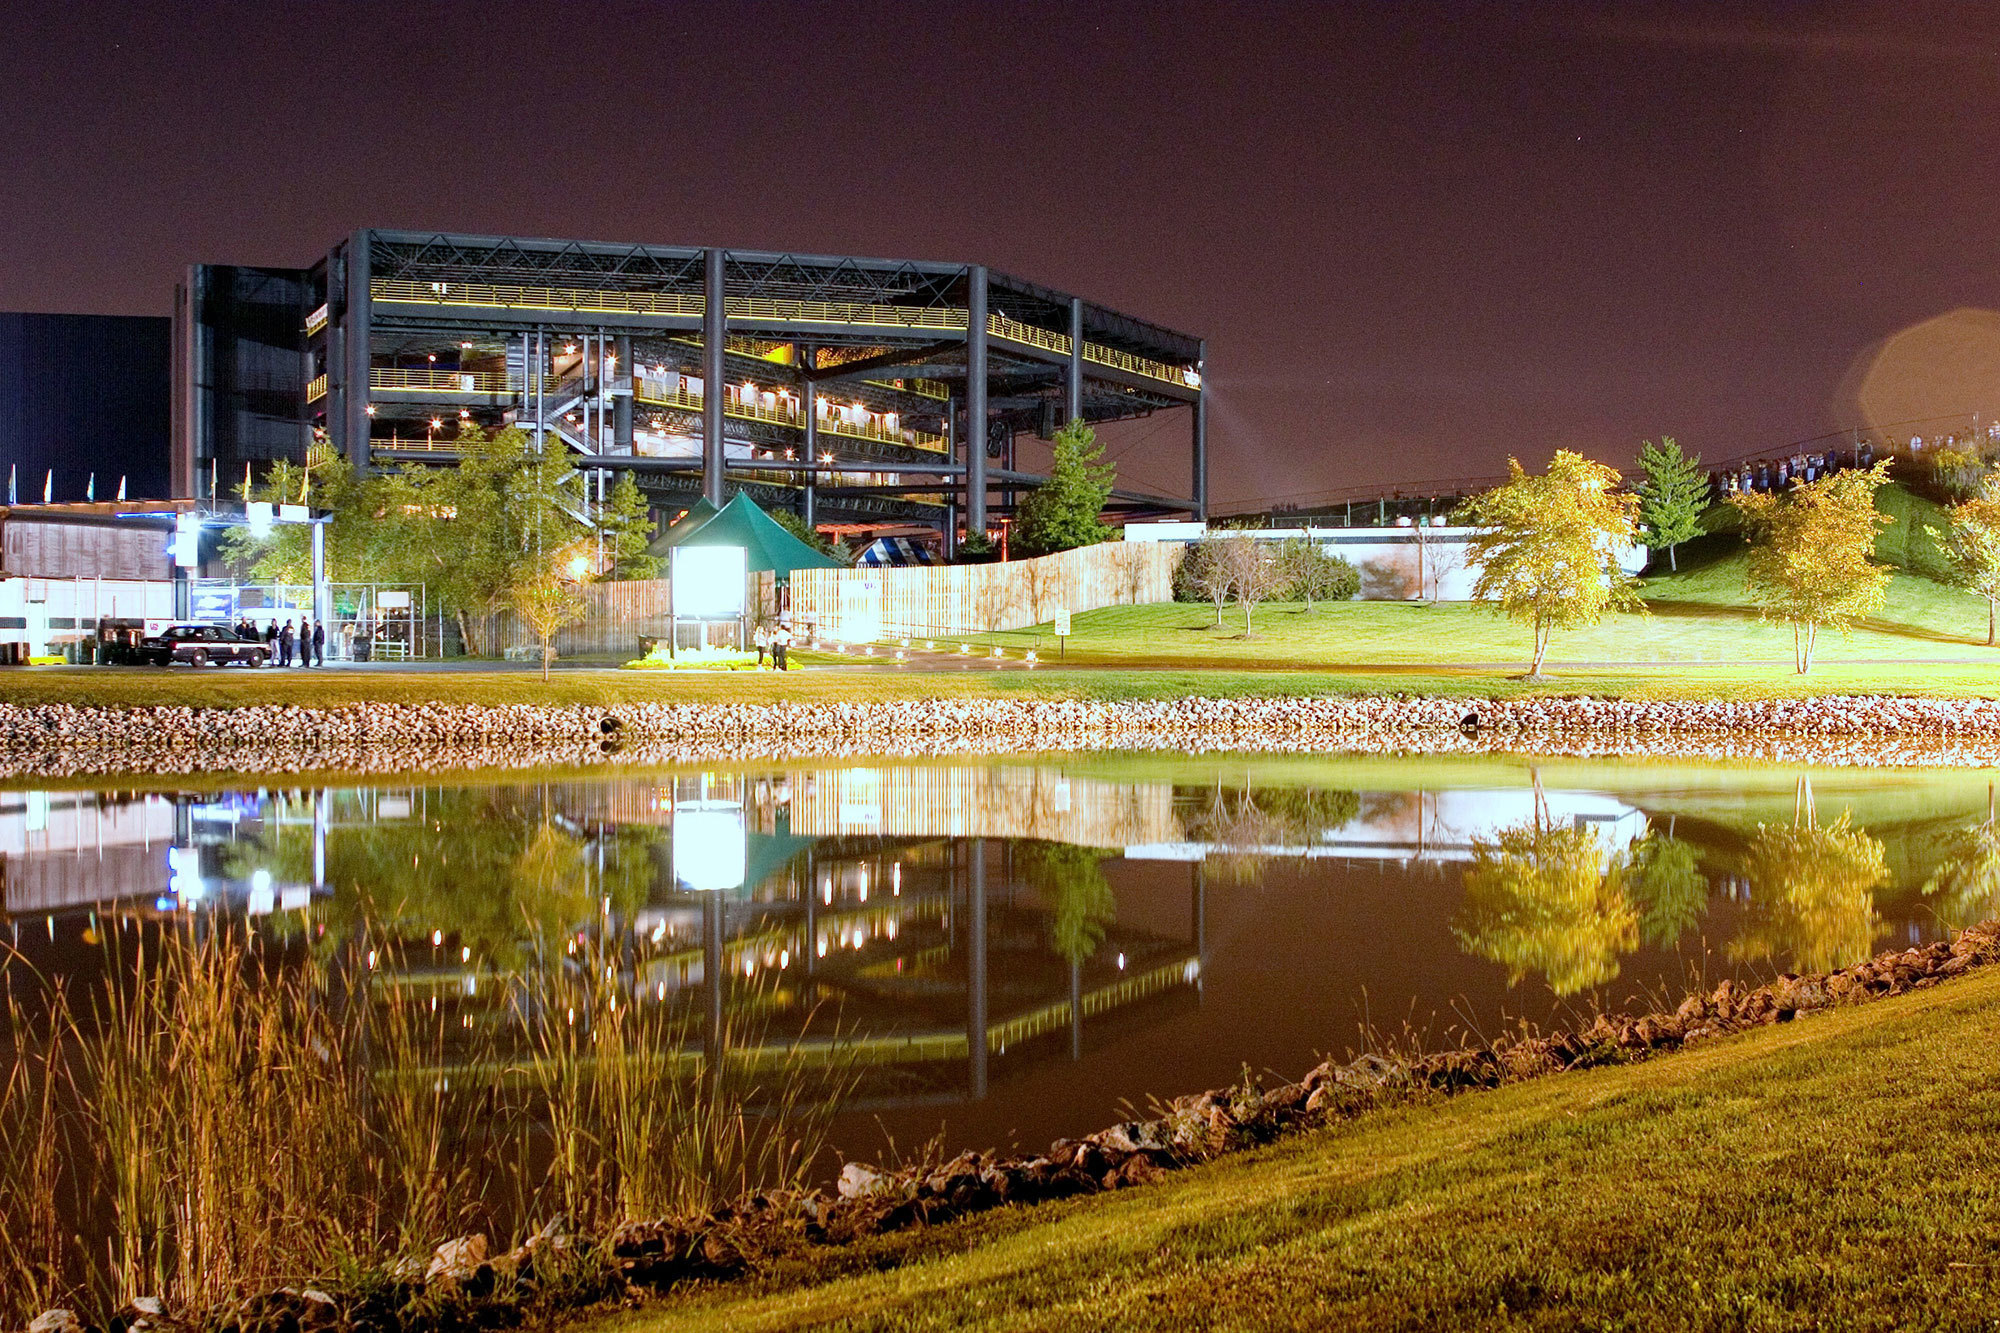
pixel 896 551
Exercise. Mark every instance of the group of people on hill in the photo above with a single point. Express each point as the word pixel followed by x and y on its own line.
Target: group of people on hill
pixel 305 639
pixel 1771 474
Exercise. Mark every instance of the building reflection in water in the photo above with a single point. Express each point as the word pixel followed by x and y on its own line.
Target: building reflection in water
pixel 925 925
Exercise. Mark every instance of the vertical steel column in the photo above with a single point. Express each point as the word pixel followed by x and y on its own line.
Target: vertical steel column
pixel 975 400
pixel 541 390
pixel 1201 437
pixel 808 359
pixel 355 321
pixel 1073 384
pixel 712 944
pixel 1076 1009
pixel 319 597
pixel 975 967
pixel 714 332
pixel 621 395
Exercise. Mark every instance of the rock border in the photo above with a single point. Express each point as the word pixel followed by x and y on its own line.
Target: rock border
pixel 63 740
pixel 460 1287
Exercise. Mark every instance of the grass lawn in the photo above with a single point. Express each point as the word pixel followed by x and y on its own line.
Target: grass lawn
pixel 1701 640
pixel 857 683
pixel 1697 616
pixel 1838 1172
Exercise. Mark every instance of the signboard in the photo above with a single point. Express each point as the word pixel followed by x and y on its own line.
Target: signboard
pixel 213 603
pixel 294 514
pixel 708 581
pixel 710 846
pixel 392 601
pixel 1062 623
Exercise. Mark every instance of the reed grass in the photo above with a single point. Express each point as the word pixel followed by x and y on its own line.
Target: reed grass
pixel 227 1116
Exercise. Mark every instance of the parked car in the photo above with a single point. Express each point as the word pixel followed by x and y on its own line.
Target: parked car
pixel 199 645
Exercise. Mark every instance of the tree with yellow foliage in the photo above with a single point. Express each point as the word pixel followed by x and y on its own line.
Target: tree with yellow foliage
pixel 1547 547
pixel 1812 554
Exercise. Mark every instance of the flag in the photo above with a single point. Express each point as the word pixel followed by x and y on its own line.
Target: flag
pixel 13 474
pixel 121 485
pixel 90 488
pixel 49 486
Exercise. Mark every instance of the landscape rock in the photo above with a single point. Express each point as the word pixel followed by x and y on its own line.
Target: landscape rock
pixel 458 1260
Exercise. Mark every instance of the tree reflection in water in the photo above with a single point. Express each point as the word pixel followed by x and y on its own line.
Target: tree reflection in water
pixel 1548 901
pixel 441 872
pixel 1965 888
pixel 1070 881
pixel 1813 886
pixel 1671 891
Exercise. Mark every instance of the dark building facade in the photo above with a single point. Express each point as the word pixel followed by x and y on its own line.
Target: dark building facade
pixel 846 389
pixel 84 395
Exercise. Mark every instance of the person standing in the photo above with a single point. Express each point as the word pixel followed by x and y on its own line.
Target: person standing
pixel 347 641
pixel 760 636
pixel 285 645
pixel 781 639
pixel 319 643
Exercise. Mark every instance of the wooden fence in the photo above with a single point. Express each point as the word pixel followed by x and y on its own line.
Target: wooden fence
pixel 863 604
pixel 615 616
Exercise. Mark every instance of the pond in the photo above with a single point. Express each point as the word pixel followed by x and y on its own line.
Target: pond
pixel 961 954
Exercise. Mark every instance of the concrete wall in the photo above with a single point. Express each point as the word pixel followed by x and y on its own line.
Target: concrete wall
pixel 1396 564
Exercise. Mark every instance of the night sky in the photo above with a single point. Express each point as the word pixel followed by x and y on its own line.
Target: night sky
pixel 1418 238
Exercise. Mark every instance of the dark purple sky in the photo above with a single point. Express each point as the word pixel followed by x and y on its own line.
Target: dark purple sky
pixel 1418 238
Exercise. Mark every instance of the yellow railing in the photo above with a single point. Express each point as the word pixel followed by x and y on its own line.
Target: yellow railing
pixel 488 382
pixel 532 298
pixel 784 413
pixel 316 321
pixel 315 388
pixel 1001 326
pixel 1179 376
pixel 839 313
pixel 1050 1017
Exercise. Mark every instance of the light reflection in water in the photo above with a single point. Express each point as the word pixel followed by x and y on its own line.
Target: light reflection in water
pixel 1014 947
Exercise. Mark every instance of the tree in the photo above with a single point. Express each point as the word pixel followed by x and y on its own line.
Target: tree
pixel 1062 513
pixel 1971 542
pixel 1311 575
pixel 625 522
pixel 1811 552
pixel 1204 574
pixel 795 525
pixel 1547 547
pixel 1672 496
pixel 546 593
pixel 1254 574
pixel 356 546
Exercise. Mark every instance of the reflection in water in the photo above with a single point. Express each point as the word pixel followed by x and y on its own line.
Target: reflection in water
pixel 1671 892
pixel 1815 903
pixel 1965 889
pixel 1008 947
pixel 1548 901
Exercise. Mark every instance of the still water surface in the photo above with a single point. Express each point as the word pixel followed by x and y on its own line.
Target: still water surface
pixel 1001 952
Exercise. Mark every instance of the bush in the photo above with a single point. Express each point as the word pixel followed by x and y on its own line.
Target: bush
pixel 1311 575
pixel 1196 558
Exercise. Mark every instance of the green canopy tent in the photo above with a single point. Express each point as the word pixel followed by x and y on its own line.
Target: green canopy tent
pixel 740 525
pixel 767 547
pixel 683 527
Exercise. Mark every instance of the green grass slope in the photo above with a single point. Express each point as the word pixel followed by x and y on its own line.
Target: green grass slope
pixel 1838 1172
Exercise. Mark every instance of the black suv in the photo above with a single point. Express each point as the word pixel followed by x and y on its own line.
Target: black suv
pixel 199 645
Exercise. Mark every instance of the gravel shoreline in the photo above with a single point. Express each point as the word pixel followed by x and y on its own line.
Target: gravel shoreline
pixel 49 740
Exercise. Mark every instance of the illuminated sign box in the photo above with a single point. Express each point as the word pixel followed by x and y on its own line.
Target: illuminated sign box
pixel 708 582
pixel 710 846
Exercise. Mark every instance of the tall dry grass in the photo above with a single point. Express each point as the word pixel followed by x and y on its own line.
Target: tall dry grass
pixel 222 1119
